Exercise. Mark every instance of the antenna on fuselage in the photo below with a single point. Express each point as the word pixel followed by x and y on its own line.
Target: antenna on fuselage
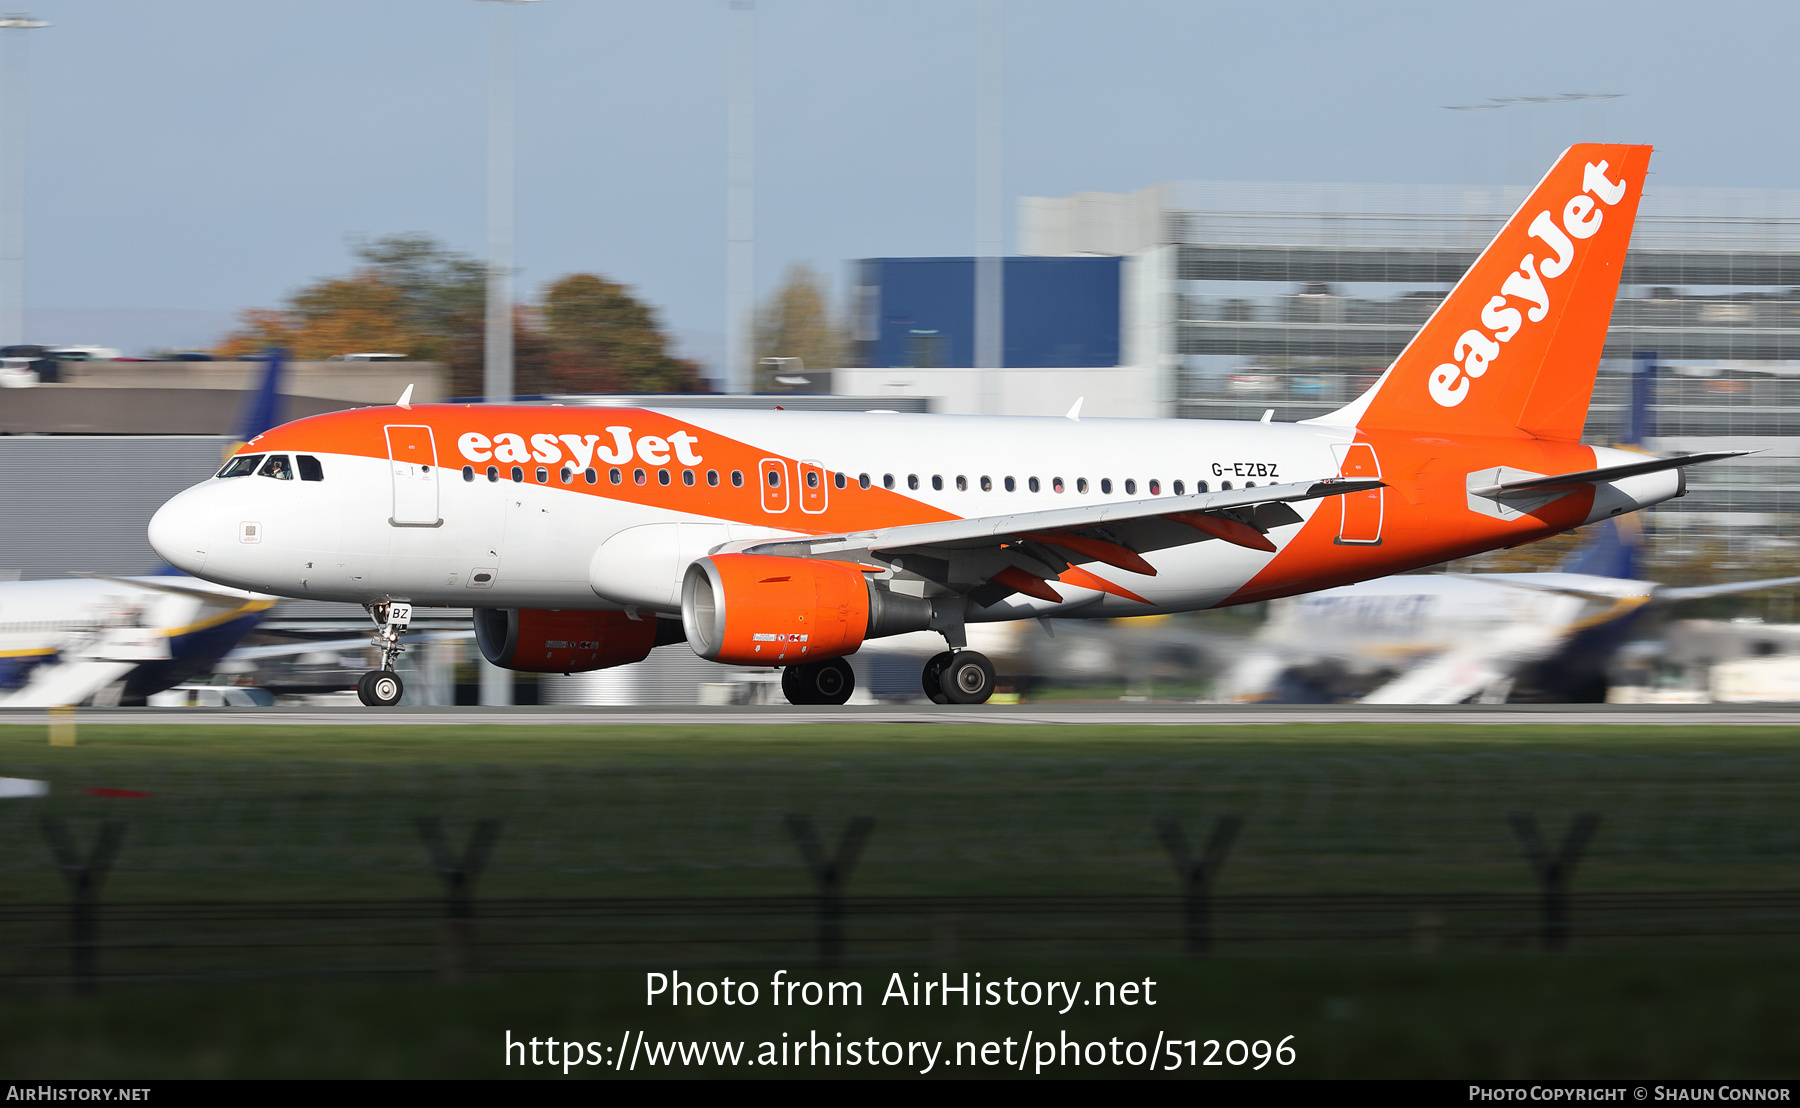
pixel 1075 412
pixel 405 400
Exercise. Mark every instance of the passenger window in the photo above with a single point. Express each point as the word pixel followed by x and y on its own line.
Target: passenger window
pixel 839 480
pixel 1130 486
pixel 1180 489
pixel 662 476
pixel 912 480
pixel 1031 483
pixel 1249 484
pixel 1106 485
pixel 591 475
pixel 568 476
pixel 1224 486
pixel 241 466
pixel 614 476
pixel 862 481
pixel 468 472
pixel 311 470
pixel 1056 484
pixel 962 483
pixel 1199 486
pixel 493 474
pixel 277 467
pixel 937 482
pixel 687 477
pixel 543 476
pixel 712 478
pixel 518 475
pixel 1155 487
pixel 737 478
pixel 987 483
pixel 1011 485
pixel 638 477
pixel 887 480
pixel 1081 485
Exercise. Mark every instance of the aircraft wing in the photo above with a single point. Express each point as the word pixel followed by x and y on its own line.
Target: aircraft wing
pixel 1702 592
pixel 992 557
pixel 182 586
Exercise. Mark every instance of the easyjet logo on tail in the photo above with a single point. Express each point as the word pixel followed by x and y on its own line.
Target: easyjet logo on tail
pixel 1475 351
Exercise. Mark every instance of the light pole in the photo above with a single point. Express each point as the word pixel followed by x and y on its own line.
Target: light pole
pixel 497 367
pixel 990 215
pixel 12 179
pixel 740 201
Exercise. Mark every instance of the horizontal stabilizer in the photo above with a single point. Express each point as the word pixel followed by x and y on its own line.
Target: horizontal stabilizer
pixel 1607 473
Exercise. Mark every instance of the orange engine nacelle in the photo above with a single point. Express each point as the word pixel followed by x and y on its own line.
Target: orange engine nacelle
pixel 760 610
pixel 543 640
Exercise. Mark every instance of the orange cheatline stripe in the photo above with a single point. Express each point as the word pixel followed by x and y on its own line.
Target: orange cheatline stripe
pixel 1119 557
pixel 1240 534
pixel 1081 578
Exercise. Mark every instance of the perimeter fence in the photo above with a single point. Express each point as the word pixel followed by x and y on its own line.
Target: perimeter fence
pixel 237 868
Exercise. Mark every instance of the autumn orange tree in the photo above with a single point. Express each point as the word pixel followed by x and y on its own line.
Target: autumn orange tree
pixel 411 295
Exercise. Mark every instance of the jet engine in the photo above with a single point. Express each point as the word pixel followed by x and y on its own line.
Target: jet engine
pixel 543 640
pixel 763 610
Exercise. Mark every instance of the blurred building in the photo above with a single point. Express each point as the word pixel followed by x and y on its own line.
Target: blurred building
pixel 1066 335
pixel 1249 296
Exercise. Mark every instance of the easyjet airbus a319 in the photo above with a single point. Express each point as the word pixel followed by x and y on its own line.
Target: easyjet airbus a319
pixel 584 537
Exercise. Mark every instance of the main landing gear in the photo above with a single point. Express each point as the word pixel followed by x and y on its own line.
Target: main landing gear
pixel 958 677
pixel 829 682
pixel 382 688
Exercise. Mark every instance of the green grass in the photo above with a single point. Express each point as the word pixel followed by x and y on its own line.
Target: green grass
pixel 287 813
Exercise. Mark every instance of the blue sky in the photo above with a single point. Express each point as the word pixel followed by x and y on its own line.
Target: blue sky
pixel 194 157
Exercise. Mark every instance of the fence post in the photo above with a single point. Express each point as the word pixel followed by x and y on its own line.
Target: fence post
pixel 458 875
pixel 83 876
pixel 830 874
pixel 1553 873
pixel 1198 874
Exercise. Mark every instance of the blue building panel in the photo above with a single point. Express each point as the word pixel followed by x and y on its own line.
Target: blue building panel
pixel 920 312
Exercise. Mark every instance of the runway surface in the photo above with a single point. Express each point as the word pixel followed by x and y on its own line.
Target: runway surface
pixel 1145 715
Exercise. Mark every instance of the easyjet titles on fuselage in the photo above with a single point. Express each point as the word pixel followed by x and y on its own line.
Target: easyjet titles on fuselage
pixel 582 450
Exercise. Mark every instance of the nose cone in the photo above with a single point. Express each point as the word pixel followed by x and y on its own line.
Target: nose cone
pixel 178 533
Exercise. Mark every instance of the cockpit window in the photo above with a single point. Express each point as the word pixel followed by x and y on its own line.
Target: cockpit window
pixel 311 470
pixel 277 467
pixel 241 466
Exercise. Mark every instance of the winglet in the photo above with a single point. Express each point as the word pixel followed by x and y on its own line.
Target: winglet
pixel 1074 413
pixel 405 400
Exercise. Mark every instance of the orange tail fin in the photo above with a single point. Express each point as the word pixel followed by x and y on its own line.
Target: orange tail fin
pixel 1513 350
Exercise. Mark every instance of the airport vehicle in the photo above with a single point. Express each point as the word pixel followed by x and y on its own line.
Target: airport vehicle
pixel 585 537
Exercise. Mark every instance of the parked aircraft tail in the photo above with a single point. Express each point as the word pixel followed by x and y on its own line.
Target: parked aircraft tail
pixel 1513 350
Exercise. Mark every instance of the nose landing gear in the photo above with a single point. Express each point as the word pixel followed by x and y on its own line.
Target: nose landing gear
pixel 958 677
pixel 829 682
pixel 382 688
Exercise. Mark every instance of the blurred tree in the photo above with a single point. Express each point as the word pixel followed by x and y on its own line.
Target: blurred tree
pixel 600 338
pixel 796 322
pixel 413 296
